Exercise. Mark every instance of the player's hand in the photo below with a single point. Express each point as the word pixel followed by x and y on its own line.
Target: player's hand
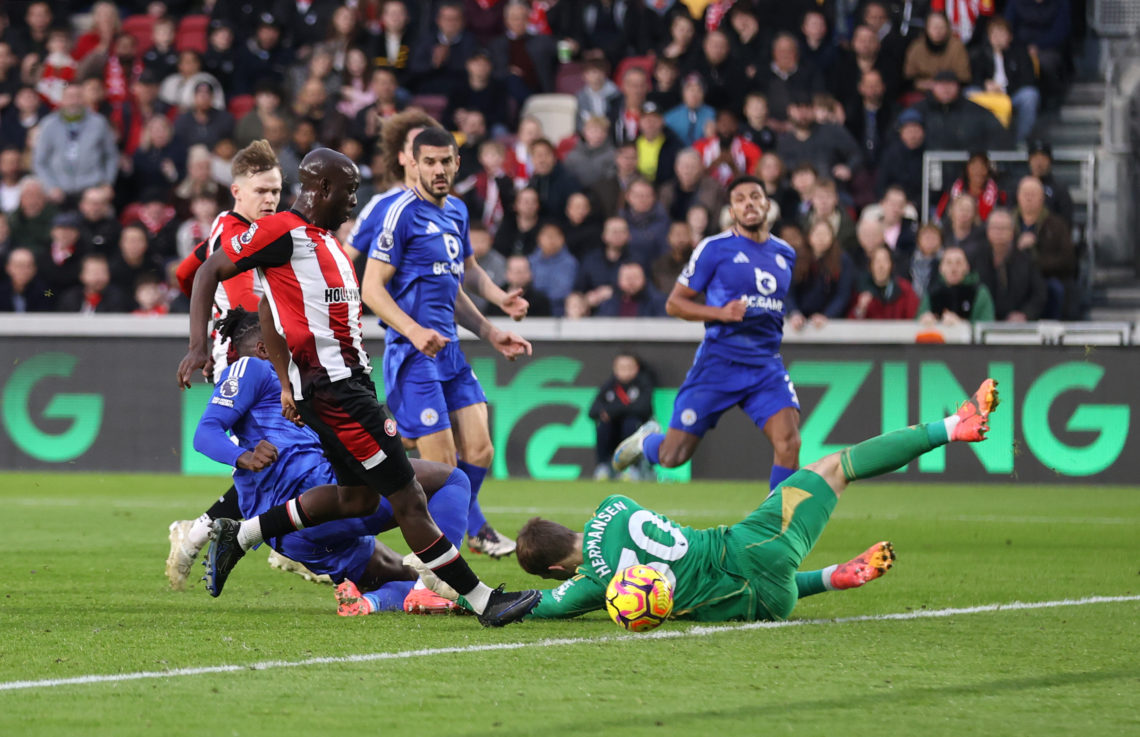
pixel 208 369
pixel 258 459
pixel 289 408
pixel 733 311
pixel 511 345
pixel 191 362
pixel 427 341
pixel 514 305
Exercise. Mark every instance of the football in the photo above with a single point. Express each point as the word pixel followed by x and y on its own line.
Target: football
pixel 639 598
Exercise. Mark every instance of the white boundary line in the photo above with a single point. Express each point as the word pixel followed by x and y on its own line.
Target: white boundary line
pixel 668 634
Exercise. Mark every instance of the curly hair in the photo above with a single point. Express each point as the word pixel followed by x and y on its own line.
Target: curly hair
pixel 237 326
pixel 393 136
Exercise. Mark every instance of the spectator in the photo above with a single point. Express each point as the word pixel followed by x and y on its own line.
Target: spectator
pixel 608 195
pixel 598 270
pixel 76 149
pixel 318 67
pixel 530 130
pixel 648 223
pixel 980 182
pixel 150 298
pixel 1047 238
pixel 829 147
pixel 666 93
pixel 490 193
pixel 525 61
pixel 59 263
pixel 105 27
pixel 155 165
pixel 303 140
pixel 682 46
pixel 393 47
pixel 700 222
pixel 869 121
pixel 1016 285
pixel 220 59
pixel 156 216
pixel 921 268
pixel 952 122
pixel 1004 67
pixel 869 235
pixel 582 229
pixel 266 104
pixel 625 111
pixel 825 207
pixel 756 129
pixel 32 221
pixel 314 105
pixel 592 159
pixel 724 76
pixel 634 296
pixel 261 57
pixel 783 200
pixel 598 93
pixel 134 259
pixel 492 262
pixel 11 172
pixel 691 186
pixel 21 288
pixel 816 48
pixel 137 111
pixel 963 229
pixel 575 307
pixel 786 77
pixel 32 37
pixel 161 59
pixel 356 91
pixel 177 90
pixel 821 281
pixel 622 405
pixel 553 267
pixel 881 295
pixel 901 163
pixel 439 57
pixel 726 154
pixel 616 30
pixel 899 229
pixel 518 235
pixel 937 51
pixel 478 91
pixel 865 55
pixel 553 183
pixel 750 44
pixel 1057 197
pixel 95 293
pixel 803 180
pixel 657 147
pixel 308 23
pixel 1044 27
pixel 21 117
pixel 196 228
pixel 692 117
pixel 484 18
pixel 519 277
pixel 956 294
pixel 58 68
pixel 385 91
pixel 98 229
pixel 202 123
pixel 891 41
pixel 670 264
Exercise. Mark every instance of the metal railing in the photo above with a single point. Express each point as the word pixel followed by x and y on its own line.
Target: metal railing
pixel 1116 18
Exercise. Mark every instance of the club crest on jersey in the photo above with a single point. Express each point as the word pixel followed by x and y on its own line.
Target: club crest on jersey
pixel 781 262
pixel 390 427
pixel 688 417
pixel 429 417
pixel 765 282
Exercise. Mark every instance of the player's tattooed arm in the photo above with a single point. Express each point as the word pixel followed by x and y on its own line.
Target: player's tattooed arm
pixel 683 303
pixel 216 269
pixel 476 281
pixel 374 292
pixel 510 344
pixel 278 350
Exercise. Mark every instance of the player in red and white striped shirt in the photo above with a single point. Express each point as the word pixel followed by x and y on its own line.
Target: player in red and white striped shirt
pixel 312 299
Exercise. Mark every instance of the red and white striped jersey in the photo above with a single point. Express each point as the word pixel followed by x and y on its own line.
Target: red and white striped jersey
pixel 312 288
pixel 241 291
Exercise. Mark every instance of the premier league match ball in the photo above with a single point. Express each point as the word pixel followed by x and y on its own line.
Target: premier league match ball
pixel 639 598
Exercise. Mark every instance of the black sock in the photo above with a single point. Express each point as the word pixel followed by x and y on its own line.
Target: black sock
pixel 283 519
pixel 226 506
pixel 446 562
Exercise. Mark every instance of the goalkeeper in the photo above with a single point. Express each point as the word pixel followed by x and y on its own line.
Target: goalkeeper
pixel 747 571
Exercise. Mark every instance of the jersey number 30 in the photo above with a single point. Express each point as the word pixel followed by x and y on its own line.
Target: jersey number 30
pixel 666 553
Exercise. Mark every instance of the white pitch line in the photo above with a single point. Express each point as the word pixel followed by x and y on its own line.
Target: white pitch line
pixel 668 634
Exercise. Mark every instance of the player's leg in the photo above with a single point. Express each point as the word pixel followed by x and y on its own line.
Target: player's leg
pixel 869 565
pixel 773 405
pixel 188 537
pixel 473 441
pixel 783 431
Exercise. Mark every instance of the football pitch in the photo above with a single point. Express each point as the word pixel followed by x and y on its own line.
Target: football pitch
pixel 1012 609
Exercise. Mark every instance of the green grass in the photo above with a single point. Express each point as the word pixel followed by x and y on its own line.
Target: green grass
pixel 82 592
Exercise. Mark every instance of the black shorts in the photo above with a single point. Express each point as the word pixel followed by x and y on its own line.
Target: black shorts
pixel 358 436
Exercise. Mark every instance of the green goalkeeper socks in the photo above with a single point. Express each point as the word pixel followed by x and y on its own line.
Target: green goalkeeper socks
pixel 894 450
pixel 814 582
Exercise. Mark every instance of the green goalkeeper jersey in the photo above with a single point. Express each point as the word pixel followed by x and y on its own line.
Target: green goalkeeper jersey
pixel 697 564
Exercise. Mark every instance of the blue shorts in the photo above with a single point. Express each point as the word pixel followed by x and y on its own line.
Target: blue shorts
pixel 421 391
pixel 715 384
pixel 341 548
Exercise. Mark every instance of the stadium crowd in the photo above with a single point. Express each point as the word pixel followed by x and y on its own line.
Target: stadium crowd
pixel 118 122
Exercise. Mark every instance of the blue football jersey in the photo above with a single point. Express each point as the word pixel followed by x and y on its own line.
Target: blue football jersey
pixel 367 226
pixel 728 267
pixel 427 245
pixel 247 401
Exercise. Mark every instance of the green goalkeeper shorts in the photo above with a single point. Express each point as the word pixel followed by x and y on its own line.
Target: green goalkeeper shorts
pixel 769 545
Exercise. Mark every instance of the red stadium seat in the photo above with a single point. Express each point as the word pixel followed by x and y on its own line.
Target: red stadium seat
pixel 191 34
pixel 433 105
pixel 570 78
pixel 142 28
pixel 240 105
pixel 641 62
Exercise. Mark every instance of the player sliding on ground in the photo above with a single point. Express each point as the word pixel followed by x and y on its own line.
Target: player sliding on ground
pixel 747 571
pixel 276 461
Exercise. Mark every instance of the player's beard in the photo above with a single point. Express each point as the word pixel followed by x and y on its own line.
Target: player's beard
pixel 429 186
pixel 757 228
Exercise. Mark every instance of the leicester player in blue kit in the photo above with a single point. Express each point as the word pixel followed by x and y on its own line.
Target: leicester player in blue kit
pixel 744 274
pixel 276 460
pixel 419 258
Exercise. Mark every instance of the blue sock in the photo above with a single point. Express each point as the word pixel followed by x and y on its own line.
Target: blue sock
pixel 651 445
pixel 390 597
pixel 475 518
pixel 779 475
pixel 448 506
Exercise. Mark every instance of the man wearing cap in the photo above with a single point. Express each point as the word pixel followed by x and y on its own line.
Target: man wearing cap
pixel 1057 197
pixel 76 149
pixel 954 123
pixel 827 146
pixel 688 120
pixel 901 163
pixel 657 147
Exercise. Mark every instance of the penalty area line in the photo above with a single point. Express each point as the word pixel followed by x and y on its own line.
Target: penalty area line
pixel 668 634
